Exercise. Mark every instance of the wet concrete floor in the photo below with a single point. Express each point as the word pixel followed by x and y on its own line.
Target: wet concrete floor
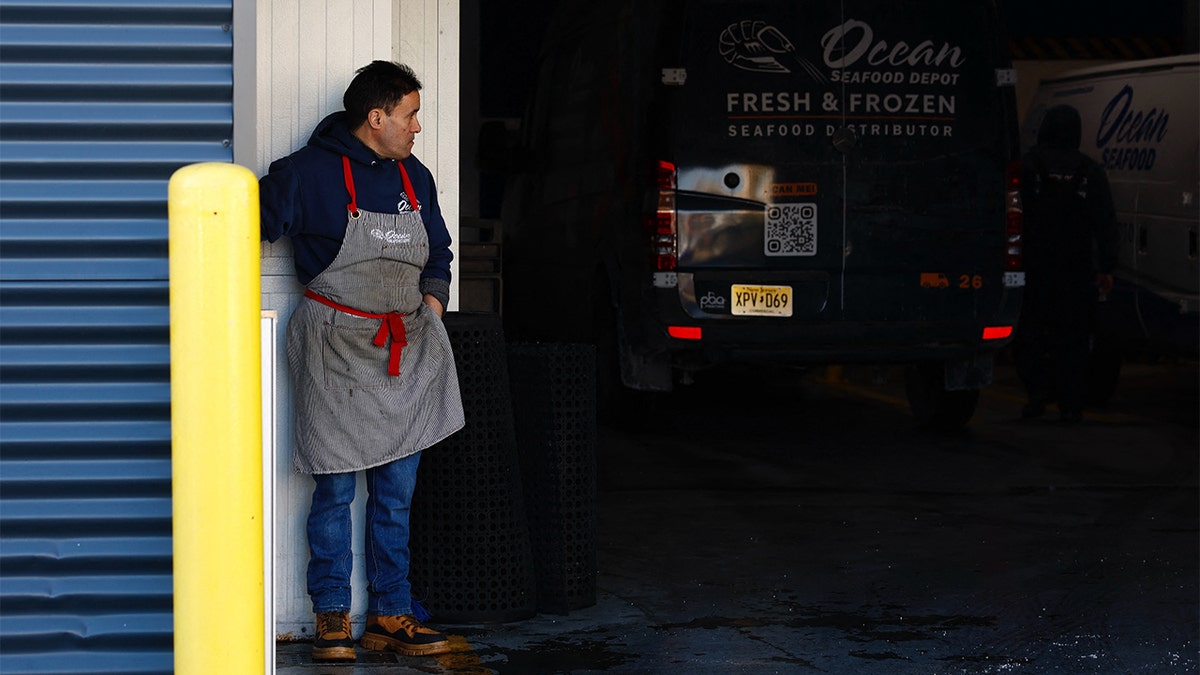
pixel 778 523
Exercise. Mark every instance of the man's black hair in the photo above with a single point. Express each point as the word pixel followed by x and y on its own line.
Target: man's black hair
pixel 379 84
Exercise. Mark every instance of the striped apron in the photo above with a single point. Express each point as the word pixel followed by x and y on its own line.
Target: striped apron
pixel 372 371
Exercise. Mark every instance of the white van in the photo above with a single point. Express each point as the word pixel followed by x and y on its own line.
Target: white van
pixel 1140 120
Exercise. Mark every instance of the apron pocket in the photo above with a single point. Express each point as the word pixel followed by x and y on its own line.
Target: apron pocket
pixel 350 358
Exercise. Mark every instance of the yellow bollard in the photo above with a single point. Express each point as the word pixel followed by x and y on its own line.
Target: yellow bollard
pixel 216 420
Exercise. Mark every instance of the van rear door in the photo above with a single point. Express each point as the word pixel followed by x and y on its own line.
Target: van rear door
pixel 853 153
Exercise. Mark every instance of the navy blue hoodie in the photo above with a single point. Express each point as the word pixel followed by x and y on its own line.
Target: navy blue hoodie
pixel 304 197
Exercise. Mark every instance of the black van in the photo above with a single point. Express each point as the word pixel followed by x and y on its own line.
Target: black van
pixel 778 182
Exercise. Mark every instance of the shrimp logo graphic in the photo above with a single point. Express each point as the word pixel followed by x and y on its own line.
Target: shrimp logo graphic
pixel 762 48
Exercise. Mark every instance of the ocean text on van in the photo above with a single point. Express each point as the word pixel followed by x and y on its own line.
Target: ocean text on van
pixel 838 41
pixel 1120 124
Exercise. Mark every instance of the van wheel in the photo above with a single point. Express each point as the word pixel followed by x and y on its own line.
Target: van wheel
pixel 617 406
pixel 932 404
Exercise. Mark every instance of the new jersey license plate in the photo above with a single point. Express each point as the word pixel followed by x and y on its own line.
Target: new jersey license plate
pixel 761 300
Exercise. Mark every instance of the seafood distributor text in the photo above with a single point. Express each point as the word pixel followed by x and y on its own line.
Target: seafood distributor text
pixel 796 129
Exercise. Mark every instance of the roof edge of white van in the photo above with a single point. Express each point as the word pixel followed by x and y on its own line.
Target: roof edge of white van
pixel 1119 67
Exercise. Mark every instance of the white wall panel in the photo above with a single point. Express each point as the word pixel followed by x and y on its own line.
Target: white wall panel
pixel 429 42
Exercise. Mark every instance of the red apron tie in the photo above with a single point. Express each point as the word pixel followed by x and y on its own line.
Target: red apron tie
pixel 390 325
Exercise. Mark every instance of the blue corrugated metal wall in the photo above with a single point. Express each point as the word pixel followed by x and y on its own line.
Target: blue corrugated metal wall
pixel 100 102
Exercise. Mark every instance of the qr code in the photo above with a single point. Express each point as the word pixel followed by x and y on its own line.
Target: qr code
pixel 791 229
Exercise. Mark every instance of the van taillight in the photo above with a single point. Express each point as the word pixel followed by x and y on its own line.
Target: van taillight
pixel 665 176
pixel 660 222
pixel 1013 219
pixel 997 332
pixel 685 332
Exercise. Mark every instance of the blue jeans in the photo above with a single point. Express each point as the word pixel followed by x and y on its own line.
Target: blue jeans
pixel 389 494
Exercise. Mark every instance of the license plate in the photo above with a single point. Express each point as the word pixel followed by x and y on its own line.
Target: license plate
pixel 761 300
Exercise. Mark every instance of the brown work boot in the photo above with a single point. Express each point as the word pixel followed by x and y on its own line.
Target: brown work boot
pixel 333 641
pixel 403 634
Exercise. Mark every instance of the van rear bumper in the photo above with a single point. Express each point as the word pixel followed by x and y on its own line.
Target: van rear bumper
pixel 828 342
pixel 814 341
pixel 818 353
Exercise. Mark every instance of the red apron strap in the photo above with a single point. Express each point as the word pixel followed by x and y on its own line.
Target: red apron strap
pixel 390 325
pixel 408 188
pixel 352 207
